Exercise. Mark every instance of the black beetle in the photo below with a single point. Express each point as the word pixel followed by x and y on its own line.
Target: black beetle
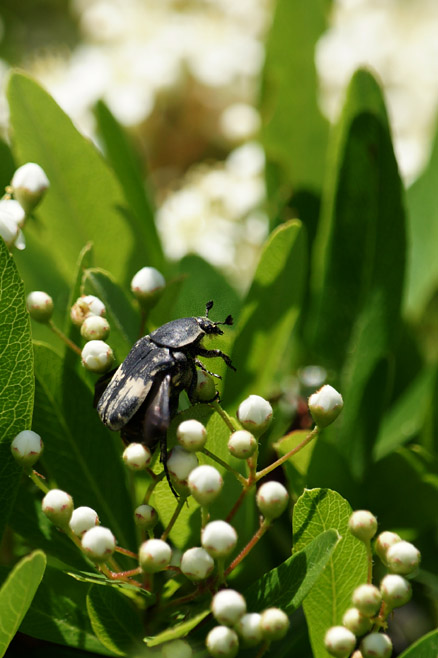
pixel 140 397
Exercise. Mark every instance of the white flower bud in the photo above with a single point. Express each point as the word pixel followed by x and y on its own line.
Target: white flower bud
pixel 363 525
pixel 147 283
pixel 403 557
pixel 14 210
pixel 40 306
pixel 192 435
pixel 367 599
pixel 196 563
pixel 274 624
pixel 29 184
pixel 9 229
pixel 82 519
pixel 137 456
pixel 272 499
pixel 176 649
pixel 98 543
pixel 218 538
pixel 205 484
pixel 180 464
pixel 249 629
pixel 97 356
pixel 396 590
pixel 222 642
pixel 94 327
pixel 325 405
pixel 339 641
pixel 255 414
pixel 205 387
pixel 27 447
pixel 242 444
pixel 356 622
pixel 145 516
pixel 154 555
pixel 383 542
pixel 85 306
pixel 376 645
pixel 57 505
pixel 228 606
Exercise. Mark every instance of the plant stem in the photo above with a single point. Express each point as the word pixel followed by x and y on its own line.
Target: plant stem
pixel 263 649
pixel 125 551
pixel 224 464
pixel 205 515
pixel 264 526
pixel 36 479
pixel 175 515
pixel 155 480
pixel 64 338
pixel 370 561
pixel 237 504
pixel 314 433
pixel 223 414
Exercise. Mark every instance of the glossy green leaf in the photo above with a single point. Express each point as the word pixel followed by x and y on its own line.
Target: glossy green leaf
pixel 95 578
pixel 7 165
pixel 316 511
pixel 80 454
pixel 269 314
pixel 288 585
pixel 121 156
pixel 178 631
pixel 115 620
pixel 16 376
pixel 17 593
pixel 84 200
pixel 58 614
pixel 425 647
pixel 294 132
pixel 422 203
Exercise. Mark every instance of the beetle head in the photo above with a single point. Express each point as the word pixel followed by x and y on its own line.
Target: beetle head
pixel 209 326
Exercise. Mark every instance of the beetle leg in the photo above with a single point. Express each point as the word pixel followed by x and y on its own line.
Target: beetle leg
pixel 201 365
pixel 212 353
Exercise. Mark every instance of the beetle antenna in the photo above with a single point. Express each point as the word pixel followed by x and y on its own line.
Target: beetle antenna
pixel 228 320
pixel 208 307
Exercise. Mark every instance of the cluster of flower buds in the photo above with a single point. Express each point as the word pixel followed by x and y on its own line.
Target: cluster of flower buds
pixel 237 626
pixel 373 604
pixel 28 185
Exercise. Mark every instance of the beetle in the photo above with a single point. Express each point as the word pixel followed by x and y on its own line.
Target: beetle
pixel 140 397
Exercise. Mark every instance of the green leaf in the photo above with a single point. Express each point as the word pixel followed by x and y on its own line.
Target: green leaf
pixel 94 578
pixel 288 585
pixel 422 205
pixel 17 593
pixel 58 614
pixel 115 620
pixel 178 631
pixel 121 156
pixel 407 416
pixel 84 199
pixel 316 511
pixel 80 454
pixel 7 165
pixel 269 314
pixel 294 132
pixel 16 377
pixel 425 647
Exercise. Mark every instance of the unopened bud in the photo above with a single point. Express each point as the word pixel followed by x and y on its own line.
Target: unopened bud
pixel 94 327
pixel 29 184
pixel 403 558
pixel 357 622
pixel 363 525
pixel 82 519
pixel 218 538
pixel 396 590
pixel 383 542
pixel 97 356
pixel 85 306
pixel 249 629
pixel 205 387
pixel 191 435
pixel 196 563
pixel 376 645
pixel 98 543
pixel 27 447
pixel 242 444
pixel 205 484
pixel 9 229
pixel 339 641
pixel 222 642
pixel 147 284
pixel 180 464
pixel 367 599
pixel 228 606
pixel 145 516
pixel 154 555
pixel 137 456
pixel 274 624
pixel 325 405
pixel 272 499
pixel 255 414
pixel 57 505
pixel 40 306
